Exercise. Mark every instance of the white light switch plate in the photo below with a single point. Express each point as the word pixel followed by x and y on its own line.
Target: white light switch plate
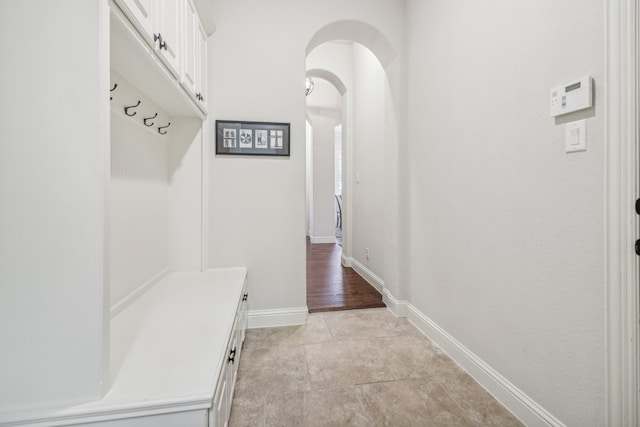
pixel 576 136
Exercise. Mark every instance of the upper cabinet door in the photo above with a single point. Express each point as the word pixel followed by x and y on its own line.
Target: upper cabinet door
pixel 168 27
pixel 191 52
pixel 174 31
pixel 142 13
pixel 201 82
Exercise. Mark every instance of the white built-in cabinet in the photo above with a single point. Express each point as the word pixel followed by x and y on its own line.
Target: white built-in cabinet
pixel 159 23
pixel 195 65
pixel 141 13
pixel 170 355
pixel 176 351
pixel 201 81
pixel 189 75
pixel 168 34
pixel 174 34
pixel 173 29
pixel 221 408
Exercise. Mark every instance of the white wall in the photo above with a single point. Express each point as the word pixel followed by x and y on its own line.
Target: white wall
pixel 186 195
pixel 506 229
pixel 138 193
pixel 324 108
pixel 258 216
pixel 54 161
pixel 324 223
pixel 309 176
pixel 368 161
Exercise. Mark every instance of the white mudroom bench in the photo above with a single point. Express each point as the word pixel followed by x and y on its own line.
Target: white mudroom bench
pixel 174 357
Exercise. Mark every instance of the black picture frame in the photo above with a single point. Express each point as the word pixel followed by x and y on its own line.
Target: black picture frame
pixel 236 137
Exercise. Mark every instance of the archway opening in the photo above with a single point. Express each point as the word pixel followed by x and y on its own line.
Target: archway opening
pixel 348 61
pixel 324 114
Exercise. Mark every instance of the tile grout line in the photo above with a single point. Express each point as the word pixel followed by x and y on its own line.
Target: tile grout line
pixel 297 340
pixel 362 405
pixel 455 401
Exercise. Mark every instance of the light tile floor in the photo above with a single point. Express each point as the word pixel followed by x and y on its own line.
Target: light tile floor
pixel 356 368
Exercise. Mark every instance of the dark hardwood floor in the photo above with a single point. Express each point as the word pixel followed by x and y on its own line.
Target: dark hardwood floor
pixel 332 287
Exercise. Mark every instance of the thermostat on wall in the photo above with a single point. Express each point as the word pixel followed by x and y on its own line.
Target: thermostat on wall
pixel 572 96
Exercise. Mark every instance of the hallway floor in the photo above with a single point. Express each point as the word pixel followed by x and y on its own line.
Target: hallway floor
pixel 330 286
pixel 356 368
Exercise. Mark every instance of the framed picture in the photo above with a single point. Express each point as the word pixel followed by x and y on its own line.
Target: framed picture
pixel 252 138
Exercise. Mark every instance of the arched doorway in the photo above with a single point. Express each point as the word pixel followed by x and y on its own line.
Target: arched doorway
pixel 361 64
pixel 324 115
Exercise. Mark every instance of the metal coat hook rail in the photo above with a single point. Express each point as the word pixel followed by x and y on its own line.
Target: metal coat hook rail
pixel 163 127
pixel 126 109
pixel 149 118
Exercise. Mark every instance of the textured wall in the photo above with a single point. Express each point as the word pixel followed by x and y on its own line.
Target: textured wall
pixel 506 229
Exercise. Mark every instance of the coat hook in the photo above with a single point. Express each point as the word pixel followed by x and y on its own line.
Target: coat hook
pixel 163 127
pixel 115 85
pixel 126 109
pixel 149 118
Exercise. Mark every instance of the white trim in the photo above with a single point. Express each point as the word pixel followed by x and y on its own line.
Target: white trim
pixel 514 399
pixel 346 260
pixel 397 307
pixel 204 191
pixel 104 310
pixel 368 275
pixel 138 292
pixel 123 417
pixel 322 239
pixel 278 317
pixel 621 167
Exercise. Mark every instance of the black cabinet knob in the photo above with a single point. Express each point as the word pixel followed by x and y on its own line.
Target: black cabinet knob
pixel 638 206
pixel 638 247
pixel 244 297
pixel 232 356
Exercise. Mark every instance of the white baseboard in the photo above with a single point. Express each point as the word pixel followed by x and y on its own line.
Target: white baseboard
pixel 322 239
pixel 138 292
pixel 279 317
pixel 514 399
pixel 368 275
pixel 346 261
pixel 397 307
